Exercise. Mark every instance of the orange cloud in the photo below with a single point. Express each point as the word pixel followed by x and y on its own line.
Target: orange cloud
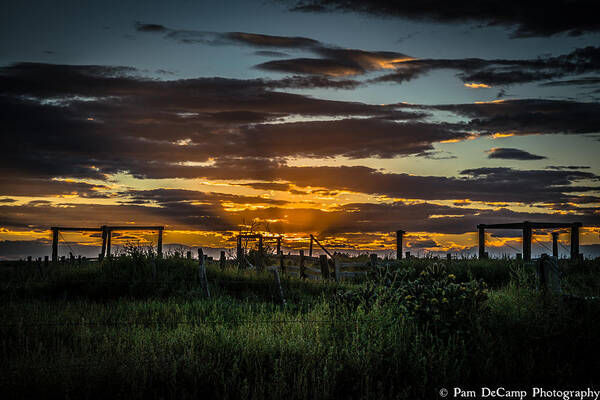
pixel 477 85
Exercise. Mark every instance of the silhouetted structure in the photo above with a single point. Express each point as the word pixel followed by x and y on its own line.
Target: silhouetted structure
pixel 106 236
pixel 527 228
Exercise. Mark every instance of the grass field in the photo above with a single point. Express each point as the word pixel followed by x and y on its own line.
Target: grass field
pixel 131 327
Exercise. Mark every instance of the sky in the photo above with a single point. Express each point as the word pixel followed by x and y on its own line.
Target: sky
pixel 347 120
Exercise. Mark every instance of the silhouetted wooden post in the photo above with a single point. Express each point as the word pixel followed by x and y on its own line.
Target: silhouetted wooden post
pixel 159 246
pixel 302 268
pixel 46 263
pixel 575 240
pixel 222 260
pixel 555 244
pixel 399 235
pixel 281 266
pixel 324 266
pixel 54 244
pixel 278 281
pixel 526 241
pixel 103 251
pixel 188 255
pixel 310 247
pixel 238 253
pixel 278 245
pixel 481 241
pixel 108 240
pixel 407 254
pixel 519 256
pixel 448 256
pixel 373 258
pixel 202 272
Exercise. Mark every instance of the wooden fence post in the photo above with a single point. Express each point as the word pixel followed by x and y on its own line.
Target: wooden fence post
pixel 302 268
pixel 336 269
pixel 108 240
pixel 222 260
pixel 399 235
pixel 202 272
pixel 575 241
pixel 159 244
pixel 54 244
pixel 239 255
pixel 527 241
pixel 324 266
pixel 407 255
pixel 310 248
pixel 278 281
pixel 555 244
pixel 448 256
pixel 481 241
pixel 188 255
pixel 548 274
pixel 373 258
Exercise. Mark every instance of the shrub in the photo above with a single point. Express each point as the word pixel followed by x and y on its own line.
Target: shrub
pixel 433 297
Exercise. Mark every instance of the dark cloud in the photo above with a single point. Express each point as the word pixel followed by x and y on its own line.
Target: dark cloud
pixel 141 27
pixel 589 81
pixel 499 72
pixel 163 129
pixel 336 62
pixel 512 154
pixel 313 82
pixel 537 18
pixel 269 53
pixel 572 167
pixel 189 36
pixel 254 39
pixel 529 116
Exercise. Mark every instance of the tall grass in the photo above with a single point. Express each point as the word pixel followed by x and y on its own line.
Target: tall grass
pixel 140 332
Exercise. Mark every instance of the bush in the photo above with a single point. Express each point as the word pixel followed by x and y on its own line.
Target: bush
pixel 433 297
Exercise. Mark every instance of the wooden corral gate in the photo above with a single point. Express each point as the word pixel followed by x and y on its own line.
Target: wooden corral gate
pixel 527 228
pixel 106 237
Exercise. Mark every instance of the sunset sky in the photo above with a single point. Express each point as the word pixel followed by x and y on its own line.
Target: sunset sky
pixel 326 117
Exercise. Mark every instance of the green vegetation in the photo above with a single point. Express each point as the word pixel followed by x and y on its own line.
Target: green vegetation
pixel 136 327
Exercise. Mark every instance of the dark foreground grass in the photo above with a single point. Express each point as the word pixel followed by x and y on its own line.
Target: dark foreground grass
pixel 132 329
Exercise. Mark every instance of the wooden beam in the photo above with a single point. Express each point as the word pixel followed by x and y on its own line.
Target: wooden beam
pixel 103 251
pixel 481 241
pixel 302 270
pixel 159 252
pixel 526 242
pixel 310 248
pixel 321 246
pixel 324 266
pixel 66 229
pixel 108 238
pixel 575 241
pixel 136 228
pixel 533 225
pixel 555 244
pixel 399 236
pixel 222 260
pixel 54 244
